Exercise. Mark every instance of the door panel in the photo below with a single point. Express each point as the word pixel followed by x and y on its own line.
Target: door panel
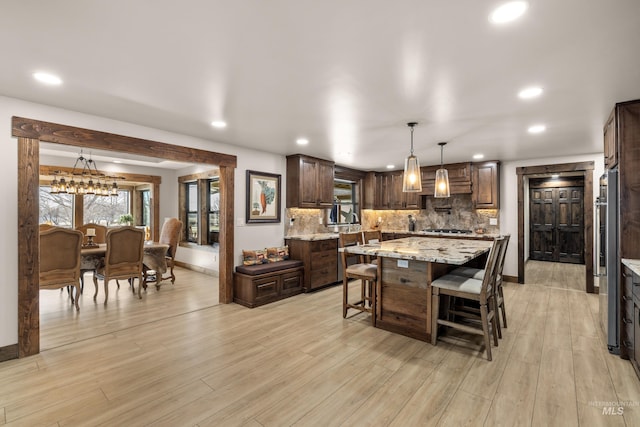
pixel 556 224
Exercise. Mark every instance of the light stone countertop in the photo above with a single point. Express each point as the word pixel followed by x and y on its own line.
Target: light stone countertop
pixel 316 236
pixel 633 264
pixel 442 250
pixel 472 235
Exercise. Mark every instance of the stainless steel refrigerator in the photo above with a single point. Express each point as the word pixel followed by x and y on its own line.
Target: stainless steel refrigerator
pixel 606 263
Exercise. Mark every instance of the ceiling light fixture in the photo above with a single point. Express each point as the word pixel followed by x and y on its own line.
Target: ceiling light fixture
pixel 478 156
pixel 47 78
pixel 90 172
pixel 508 12
pixel 390 166
pixel 219 124
pixel 530 92
pixel 411 180
pixel 442 177
pixel 537 129
pixel 302 141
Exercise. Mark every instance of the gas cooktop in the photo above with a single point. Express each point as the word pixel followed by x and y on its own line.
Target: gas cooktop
pixel 447 230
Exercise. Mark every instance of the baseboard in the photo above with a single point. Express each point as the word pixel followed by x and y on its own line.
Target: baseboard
pixel 510 279
pixel 8 352
pixel 198 269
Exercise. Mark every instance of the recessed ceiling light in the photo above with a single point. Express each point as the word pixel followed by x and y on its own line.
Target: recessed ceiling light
pixel 390 166
pixel 508 12
pixel 302 141
pixel 48 79
pixel 537 128
pixel 478 156
pixel 555 176
pixel 117 161
pixel 219 124
pixel 530 92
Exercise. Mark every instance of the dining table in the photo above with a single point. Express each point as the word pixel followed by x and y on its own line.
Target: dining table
pixel 153 260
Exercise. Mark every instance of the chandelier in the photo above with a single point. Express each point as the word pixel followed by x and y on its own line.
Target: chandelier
pixel 84 178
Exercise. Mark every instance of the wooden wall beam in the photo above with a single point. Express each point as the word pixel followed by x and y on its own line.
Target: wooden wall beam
pixel 28 247
pixel 227 215
pixel 85 138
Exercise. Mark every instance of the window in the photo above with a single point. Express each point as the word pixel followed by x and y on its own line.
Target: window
pixel 345 202
pixel 192 211
pixel 213 210
pixel 106 210
pixel 145 196
pixel 56 209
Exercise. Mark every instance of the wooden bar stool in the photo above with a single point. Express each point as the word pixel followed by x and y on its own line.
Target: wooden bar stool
pixel 355 267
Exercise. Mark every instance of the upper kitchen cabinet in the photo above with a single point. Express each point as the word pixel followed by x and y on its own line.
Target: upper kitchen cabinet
pixel 610 142
pixel 485 178
pixel 459 178
pixel 309 182
pixel 383 190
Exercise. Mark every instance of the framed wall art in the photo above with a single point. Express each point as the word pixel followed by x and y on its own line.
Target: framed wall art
pixel 263 197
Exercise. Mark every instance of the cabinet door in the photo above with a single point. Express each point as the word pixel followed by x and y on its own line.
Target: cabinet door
pixel 324 184
pixel 635 356
pixel 396 196
pixel 308 182
pixel 486 192
pixel 382 194
pixel 610 143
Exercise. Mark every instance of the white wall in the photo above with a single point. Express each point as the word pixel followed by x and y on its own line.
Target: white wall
pixel 509 198
pixel 249 236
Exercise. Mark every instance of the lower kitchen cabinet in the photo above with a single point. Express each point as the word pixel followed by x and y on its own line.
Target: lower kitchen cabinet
pixel 320 259
pixel 630 318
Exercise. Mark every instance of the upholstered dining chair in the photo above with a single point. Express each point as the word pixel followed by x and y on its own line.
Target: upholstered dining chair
pixel 170 235
pixel 478 291
pixel 100 237
pixel 60 260
pixel 366 273
pixel 478 273
pixel 123 259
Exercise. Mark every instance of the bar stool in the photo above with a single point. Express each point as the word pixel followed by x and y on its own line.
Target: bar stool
pixel 365 272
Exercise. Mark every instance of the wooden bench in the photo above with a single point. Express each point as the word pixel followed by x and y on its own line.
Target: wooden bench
pixel 256 285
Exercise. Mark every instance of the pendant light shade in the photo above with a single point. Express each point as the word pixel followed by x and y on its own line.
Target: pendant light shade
pixel 442 177
pixel 411 180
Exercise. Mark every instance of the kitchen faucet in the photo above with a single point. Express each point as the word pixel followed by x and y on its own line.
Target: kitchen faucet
pixel 353 218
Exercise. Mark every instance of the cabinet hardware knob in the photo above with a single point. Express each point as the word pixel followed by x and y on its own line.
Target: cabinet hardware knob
pixel 626 298
pixel 627 321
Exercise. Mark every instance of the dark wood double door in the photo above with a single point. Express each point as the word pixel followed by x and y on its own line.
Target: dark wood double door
pixel 556 220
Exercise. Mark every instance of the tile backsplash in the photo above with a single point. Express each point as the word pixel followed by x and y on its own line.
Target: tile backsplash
pixel 454 212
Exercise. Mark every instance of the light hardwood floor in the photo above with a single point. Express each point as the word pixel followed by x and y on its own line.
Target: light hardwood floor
pixel 298 362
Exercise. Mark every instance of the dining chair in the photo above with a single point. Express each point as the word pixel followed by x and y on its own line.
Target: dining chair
pixel 60 260
pixel 366 273
pixel 123 259
pixel 470 289
pixel 478 273
pixel 100 237
pixel 170 235
pixel 371 236
pixel 44 226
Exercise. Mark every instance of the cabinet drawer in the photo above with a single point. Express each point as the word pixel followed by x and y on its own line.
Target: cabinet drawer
pixel 323 259
pixel 323 245
pixel 291 282
pixel 323 276
pixel 266 288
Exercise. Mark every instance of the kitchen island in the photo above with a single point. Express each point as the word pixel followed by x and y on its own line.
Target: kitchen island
pixel 406 268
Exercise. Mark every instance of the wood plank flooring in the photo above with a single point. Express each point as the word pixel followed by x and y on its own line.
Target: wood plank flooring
pixel 298 362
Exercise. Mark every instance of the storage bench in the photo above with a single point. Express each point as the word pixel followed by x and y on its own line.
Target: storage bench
pixel 255 285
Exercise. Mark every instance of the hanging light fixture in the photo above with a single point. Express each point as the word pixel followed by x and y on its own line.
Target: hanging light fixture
pixel 411 181
pixel 96 182
pixel 442 177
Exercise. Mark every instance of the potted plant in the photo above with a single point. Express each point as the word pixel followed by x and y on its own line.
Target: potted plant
pixel 126 219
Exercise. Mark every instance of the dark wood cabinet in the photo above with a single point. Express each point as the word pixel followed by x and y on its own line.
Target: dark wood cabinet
pixel 610 142
pixel 320 259
pixel 309 182
pixel 485 180
pixel 459 178
pixel 630 318
pixel 386 188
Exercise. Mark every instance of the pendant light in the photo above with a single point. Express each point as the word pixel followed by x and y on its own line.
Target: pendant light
pixel 442 177
pixel 411 181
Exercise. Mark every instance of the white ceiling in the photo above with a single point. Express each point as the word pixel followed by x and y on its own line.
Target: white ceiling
pixel 348 75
